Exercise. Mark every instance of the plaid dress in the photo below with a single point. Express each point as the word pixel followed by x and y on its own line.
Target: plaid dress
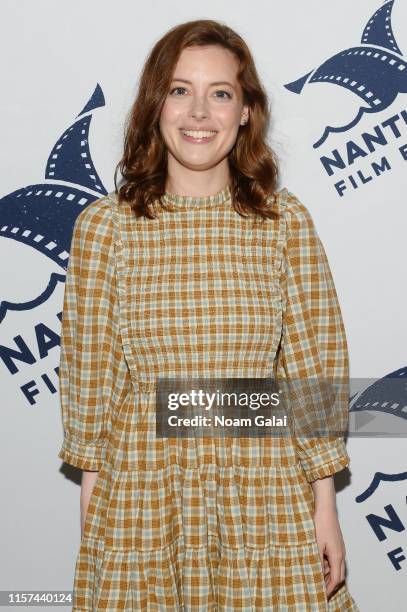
pixel 196 524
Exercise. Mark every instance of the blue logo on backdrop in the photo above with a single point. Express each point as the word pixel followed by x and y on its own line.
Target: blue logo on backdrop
pixel 388 396
pixel 387 520
pixel 383 406
pixel 42 217
pixel 376 73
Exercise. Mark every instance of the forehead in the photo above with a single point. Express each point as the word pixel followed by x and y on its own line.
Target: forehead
pixel 212 62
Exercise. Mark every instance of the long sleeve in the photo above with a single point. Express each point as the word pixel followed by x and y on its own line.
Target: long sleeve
pixel 91 370
pixel 313 346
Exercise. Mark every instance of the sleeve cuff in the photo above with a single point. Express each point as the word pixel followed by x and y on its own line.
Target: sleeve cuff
pixel 85 456
pixel 324 459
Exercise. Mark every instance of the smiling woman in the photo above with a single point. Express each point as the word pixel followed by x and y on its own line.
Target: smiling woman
pixel 195 113
pixel 199 268
pixel 200 77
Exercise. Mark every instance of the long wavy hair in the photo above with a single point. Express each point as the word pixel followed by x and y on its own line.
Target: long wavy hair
pixel 253 164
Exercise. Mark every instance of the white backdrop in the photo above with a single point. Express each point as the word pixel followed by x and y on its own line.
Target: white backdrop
pixel 53 56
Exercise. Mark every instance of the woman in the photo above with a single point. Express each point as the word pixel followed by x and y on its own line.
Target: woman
pixel 198 267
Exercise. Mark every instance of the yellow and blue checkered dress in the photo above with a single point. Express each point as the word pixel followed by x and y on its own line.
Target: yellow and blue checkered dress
pixel 196 524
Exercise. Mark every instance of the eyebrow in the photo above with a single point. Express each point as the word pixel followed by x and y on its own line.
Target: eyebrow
pixel 214 83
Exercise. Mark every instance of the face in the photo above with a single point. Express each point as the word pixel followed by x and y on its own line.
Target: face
pixel 203 109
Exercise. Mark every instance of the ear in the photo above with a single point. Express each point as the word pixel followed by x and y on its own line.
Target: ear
pixel 245 115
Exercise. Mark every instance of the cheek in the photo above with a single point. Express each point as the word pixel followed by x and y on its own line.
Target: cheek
pixel 168 116
pixel 230 118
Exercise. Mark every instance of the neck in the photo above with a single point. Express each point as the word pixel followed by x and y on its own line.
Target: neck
pixel 196 183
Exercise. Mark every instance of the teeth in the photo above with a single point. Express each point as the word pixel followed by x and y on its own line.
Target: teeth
pixel 196 134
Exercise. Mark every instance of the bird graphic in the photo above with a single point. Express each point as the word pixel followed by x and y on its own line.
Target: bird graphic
pixel 375 70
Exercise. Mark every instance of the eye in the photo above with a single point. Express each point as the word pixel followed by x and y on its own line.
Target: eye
pixel 223 92
pixel 219 91
pixel 175 89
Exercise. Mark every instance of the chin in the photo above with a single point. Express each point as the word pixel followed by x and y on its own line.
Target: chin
pixel 199 166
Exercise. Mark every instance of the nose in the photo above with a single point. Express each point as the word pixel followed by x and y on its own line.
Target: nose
pixel 199 108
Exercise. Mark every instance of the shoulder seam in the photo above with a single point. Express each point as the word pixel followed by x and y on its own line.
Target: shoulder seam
pixel 99 205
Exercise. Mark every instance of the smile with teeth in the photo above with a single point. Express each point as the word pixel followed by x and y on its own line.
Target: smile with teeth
pixel 198 133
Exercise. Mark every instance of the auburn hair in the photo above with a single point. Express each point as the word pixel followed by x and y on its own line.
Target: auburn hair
pixel 253 164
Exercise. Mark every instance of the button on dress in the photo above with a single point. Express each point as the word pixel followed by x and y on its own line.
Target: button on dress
pixel 200 523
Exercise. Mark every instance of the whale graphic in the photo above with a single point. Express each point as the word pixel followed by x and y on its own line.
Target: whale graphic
pixel 375 71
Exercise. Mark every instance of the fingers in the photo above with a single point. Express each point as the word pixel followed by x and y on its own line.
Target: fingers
pixel 334 572
pixel 322 557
